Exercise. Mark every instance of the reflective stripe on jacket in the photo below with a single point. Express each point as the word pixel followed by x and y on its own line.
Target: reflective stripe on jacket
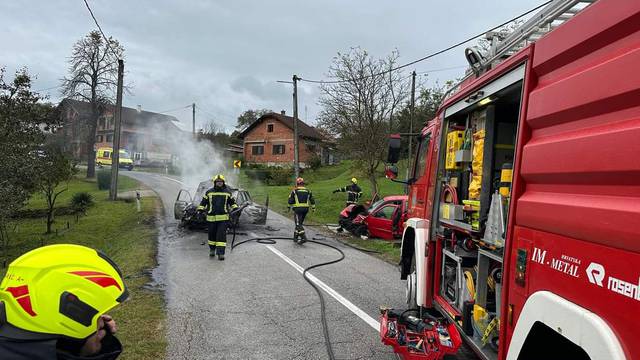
pixel 216 203
pixel 353 193
pixel 301 197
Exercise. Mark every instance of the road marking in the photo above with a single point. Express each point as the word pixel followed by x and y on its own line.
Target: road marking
pixel 174 180
pixel 341 299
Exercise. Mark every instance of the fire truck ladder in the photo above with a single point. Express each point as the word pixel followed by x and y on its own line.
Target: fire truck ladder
pixel 504 45
pixel 547 19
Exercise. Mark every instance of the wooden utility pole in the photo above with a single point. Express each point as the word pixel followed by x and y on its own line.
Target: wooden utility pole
pixel 193 112
pixel 296 164
pixel 115 154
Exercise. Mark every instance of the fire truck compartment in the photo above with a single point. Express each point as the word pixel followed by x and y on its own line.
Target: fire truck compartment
pixel 472 201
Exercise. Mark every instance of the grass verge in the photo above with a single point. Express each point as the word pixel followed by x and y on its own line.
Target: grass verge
pixel 322 182
pixel 128 237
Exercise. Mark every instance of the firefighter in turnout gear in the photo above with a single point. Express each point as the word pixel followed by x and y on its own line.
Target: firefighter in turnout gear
pixel 353 192
pixel 300 199
pixel 216 203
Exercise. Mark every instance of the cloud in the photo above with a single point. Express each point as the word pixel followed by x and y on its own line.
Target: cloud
pixel 260 89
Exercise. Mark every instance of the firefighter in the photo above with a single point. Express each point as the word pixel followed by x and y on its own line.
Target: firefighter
pixel 353 192
pixel 53 304
pixel 300 199
pixel 216 204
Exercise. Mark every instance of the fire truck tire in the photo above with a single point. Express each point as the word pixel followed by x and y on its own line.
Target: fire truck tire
pixel 411 291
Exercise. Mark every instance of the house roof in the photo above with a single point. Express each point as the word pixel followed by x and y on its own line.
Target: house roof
pixel 130 117
pixel 304 130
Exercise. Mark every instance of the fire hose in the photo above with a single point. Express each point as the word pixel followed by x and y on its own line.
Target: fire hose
pixel 323 316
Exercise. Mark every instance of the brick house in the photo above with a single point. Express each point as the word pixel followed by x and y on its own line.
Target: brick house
pixel 269 141
pixel 144 133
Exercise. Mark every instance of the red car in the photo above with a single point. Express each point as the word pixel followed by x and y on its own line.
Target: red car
pixel 383 219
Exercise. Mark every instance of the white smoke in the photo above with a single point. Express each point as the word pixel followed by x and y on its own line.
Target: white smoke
pixel 195 160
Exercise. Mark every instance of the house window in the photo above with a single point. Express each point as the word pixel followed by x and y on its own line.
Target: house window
pixel 278 150
pixel 269 127
pixel 257 150
pixel 110 138
pixel 99 138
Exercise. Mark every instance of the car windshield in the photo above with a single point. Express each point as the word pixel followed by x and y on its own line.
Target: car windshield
pixel 376 204
pixel 202 188
pixel 124 154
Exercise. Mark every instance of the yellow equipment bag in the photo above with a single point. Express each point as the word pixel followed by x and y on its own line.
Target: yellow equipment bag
pixel 476 165
pixel 455 139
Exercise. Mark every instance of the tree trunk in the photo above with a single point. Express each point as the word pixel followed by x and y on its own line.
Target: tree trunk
pixel 374 184
pixel 91 141
pixel 50 204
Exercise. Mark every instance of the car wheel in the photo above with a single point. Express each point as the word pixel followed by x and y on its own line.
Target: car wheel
pixel 130 167
pixel 362 230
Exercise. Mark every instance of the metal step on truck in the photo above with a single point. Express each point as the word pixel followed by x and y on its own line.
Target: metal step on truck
pixel 523 229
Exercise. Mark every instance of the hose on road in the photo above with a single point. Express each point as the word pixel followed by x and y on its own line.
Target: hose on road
pixel 323 315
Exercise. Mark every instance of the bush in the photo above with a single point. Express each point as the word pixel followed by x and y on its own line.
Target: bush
pixel 81 201
pixel 315 162
pixel 280 176
pixel 104 179
pixel 261 175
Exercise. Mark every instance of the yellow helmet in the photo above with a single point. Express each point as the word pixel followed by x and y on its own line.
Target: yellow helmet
pixel 60 289
pixel 354 180
pixel 218 177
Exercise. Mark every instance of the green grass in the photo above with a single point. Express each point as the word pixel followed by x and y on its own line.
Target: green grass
pixel 129 238
pixel 389 251
pixel 322 182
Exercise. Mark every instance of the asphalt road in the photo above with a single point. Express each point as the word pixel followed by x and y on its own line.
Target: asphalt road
pixel 255 304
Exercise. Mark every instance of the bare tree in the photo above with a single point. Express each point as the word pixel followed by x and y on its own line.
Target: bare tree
pixel 93 75
pixel 358 108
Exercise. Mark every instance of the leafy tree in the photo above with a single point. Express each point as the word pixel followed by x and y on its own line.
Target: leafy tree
pixel 93 77
pixel 55 168
pixel 358 109
pixel 428 101
pixel 22 120
pixel 249 117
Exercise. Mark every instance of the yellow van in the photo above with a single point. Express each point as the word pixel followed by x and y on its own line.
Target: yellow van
pixel 103 157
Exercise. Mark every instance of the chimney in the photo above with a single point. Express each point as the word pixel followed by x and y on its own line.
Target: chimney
pixel 139 108
pixel 282 112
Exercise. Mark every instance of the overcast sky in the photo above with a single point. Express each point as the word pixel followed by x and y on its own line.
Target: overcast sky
pixel 227 55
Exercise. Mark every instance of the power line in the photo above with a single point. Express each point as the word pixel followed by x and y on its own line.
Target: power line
pixel 429 55
pixel 441 69
pixel 100 29
pixel 210 113
pixel 49 88
pixel 171 110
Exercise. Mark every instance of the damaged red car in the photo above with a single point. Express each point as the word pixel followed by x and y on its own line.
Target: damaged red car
pixel 383 219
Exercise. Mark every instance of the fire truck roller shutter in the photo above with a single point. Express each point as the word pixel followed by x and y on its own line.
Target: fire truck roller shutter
pixel 577 324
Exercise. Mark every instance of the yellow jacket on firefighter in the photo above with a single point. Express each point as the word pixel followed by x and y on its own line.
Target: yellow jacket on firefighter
pixel 216 203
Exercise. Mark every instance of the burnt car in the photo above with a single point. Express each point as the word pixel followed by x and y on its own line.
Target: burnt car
pixel 383 219
pixel 185 207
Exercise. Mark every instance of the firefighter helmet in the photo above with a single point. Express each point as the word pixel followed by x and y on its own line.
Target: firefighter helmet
pixel 61 289
pixel 218 177
pixel 299 181
pixel 354 180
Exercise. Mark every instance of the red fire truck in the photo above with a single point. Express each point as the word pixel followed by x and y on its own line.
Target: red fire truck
pixel 524 203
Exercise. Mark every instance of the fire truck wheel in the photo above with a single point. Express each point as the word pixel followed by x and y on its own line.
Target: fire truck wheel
pixel 411 291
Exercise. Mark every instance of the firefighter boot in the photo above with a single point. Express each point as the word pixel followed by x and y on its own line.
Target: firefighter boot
pixel 212 252
pixel 220 257
pixel 301 236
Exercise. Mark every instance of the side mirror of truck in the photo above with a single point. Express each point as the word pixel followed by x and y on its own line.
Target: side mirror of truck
pixel 391 172
pixel 394 149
